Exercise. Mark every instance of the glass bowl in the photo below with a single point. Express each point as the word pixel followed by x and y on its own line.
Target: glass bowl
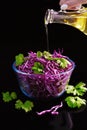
pixel 41 86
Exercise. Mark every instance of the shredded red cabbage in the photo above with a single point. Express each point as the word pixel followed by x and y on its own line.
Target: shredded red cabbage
pixel 51 82
pixel 52 110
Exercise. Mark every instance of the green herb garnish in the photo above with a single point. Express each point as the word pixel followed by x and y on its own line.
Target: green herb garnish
pixel 7 96
pixel 47 55
pixel 18 104
pixel 39 54
pixel 19 59
pixel 74 102
pixel 78 89
pixel 26 106
pixel 61 61
pixel 38 68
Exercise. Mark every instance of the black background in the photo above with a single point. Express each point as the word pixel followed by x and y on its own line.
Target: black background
pixel 21 30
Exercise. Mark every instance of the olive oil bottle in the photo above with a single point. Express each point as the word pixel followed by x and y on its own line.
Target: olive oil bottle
pixel 75 18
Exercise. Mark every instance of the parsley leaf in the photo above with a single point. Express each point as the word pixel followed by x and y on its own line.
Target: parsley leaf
pixel 26 106
pixel 47 55
pixel 19 59
pixel 7 96
pixel 38 68
pixel 13 95
pixel 64 62
pixel 74 102
pixel 18 104
pixel 39 54
pixel 70 89
pixel 78 89
pixel 80 101
pixel 70 100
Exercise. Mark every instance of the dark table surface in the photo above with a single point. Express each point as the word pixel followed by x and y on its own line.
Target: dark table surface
pixel 23 25
pixel 67 119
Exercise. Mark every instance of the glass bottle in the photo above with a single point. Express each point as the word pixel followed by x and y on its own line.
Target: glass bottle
pixel 74 18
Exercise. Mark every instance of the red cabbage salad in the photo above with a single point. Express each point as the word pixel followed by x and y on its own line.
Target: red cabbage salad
pixel 47 74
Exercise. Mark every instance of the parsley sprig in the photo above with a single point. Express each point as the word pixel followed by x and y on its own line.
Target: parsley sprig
pixel 79 89
pixel 19 59
pixel 38 68
pixel 19 104
pixel 26 106
pixel 74 100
